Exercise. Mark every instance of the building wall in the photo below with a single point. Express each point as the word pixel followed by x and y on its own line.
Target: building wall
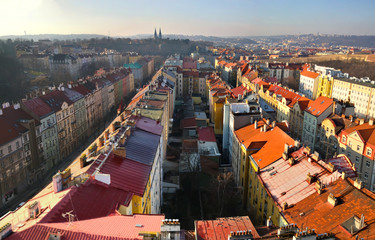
pixel 13 169
pixel 80 126
pixel 325 84
pixel 308 87
pixel 361 155
pixel 65 117
pixel 341 90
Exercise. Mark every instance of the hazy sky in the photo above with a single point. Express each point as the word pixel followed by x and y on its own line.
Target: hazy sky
pixel 193 17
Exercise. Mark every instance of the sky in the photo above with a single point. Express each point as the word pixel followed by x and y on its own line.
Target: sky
pixel 188 17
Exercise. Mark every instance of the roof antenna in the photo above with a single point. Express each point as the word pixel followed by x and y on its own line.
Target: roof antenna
pixel 69 215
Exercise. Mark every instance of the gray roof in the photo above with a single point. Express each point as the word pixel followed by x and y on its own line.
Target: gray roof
pixel 141 146
pixel 359 82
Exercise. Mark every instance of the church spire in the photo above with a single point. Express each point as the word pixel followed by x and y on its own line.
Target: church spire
pixel 155 35
pixel 160 33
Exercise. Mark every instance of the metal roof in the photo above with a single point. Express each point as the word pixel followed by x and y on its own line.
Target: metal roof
pixel 126 174
pixel 141 146
pixel 90 200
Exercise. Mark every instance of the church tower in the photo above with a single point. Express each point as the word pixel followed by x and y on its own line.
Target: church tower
pixel 155 35
pixel 160 33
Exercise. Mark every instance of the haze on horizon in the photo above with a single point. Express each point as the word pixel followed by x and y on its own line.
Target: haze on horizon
pixel 194 17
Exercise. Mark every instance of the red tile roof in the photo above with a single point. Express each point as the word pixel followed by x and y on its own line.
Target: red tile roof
pixel 365 131
pixel 316 213
pixel 188 123
pixel 320 105
pixel 206 134
pixel 310 74
pixel 126 174
pixel 291 97
pixel 221 228
pixel 8 132
pixel 343 164
pixel 38 107
pixel 240 90
pixel 55 99
pixel 90 200
pixel 82 90
pixel 104 228
pixel 269 144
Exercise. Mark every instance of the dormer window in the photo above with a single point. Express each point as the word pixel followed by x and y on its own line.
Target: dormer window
pixel 344 139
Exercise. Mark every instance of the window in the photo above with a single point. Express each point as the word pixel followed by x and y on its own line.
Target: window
pixel 366 175
pixel 368 164
pixel 358 147
pixel 369 151
pixel 17 145
pixel 10 148
pixel 357 159
pixel 348 153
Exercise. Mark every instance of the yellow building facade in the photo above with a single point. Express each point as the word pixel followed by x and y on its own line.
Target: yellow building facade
pixel 325 84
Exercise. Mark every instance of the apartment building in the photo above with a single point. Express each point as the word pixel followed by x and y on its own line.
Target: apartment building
pixel 308 84
pixel 65 119
pixel 315 113
pixel 43 113
pixel 358 143
pixel 360 92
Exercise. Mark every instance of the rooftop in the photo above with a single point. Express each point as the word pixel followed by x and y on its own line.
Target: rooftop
pixel 221 228
pixel 125 174
pixel 110 227
pixel 288 183
pixel 38 107
pixel 318 106
pixel 317 213
pixel 206 134
pixel 90 200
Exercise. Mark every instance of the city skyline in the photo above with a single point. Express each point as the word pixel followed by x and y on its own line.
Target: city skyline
pixel 214 18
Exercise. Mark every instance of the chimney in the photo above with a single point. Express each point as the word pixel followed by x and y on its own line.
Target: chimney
pixel 358 184
pixel 285 206
pixel 120 151
pixel 268 122
pixel 256 124
pixel 343 115
pixel 269 222
pixel 331 167
pixel 371 122
pixel 291 161
pixel 361 121
pixel 274 124
pixel 332 200
pixel 106 134
pixel 351 118
pixel 100 142
pixel 310 178
pixel 343 175
pixel 265 128
pixel 297 143
pixel 319 187
pixel 128 131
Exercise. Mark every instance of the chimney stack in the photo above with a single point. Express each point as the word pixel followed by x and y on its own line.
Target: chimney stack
pixel 332 200
pixel 358 184
pixel 274 124
pixel 361 121
pixel 265 128
pixel 371 122
pixel 256 124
